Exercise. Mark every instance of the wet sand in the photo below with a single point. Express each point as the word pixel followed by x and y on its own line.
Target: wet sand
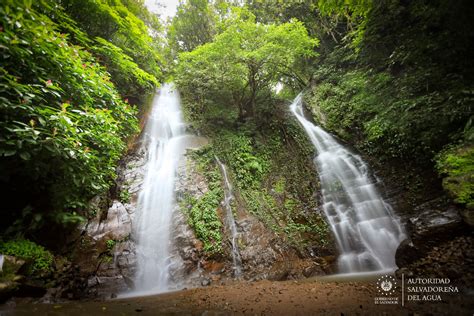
pixel 306 297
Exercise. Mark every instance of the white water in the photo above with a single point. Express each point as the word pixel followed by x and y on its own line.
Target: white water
pixel 366 232
pixel 230 221
pixel 163 138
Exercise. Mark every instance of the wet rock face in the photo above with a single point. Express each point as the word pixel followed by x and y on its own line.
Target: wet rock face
pixel 190 261
pixel 432 226
pixel 267 256
pixel 440 245
pixel 105 254
pixel 264 255
pixel 116 226
pixel 434 221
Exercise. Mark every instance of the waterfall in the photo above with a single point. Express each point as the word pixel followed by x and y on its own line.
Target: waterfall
pixel 230 221
pixel 163 138
pixel 366 232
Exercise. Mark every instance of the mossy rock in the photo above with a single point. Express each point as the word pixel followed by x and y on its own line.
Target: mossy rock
pixel 11 266
pixel 39 260
pixel 457 165
pixel 468 216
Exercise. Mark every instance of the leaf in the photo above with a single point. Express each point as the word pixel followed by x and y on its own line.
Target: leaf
pixel 25 155
pixel 9 152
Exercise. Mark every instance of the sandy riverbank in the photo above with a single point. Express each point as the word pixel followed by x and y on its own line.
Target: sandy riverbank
pixel 308 297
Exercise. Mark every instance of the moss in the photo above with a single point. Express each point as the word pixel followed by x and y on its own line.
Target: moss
pixel 269 161
pixel 42 259
pixel 202 213
pixel 279 186
pixel 203 218
pixel 261 165
pixel 110 244
pixel 457 165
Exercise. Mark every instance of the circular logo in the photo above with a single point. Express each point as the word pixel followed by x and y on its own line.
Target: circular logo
pixel 387 285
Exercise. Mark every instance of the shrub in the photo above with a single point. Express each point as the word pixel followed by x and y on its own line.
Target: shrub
pixel 62 121
pixel 41 259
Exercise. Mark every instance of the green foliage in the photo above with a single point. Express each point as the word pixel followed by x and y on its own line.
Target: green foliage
pixel 237 149
pixel 203 212
pixel 202 216
pixel 406 91
pixel 354 11
pixel 124 196
pixel 242 63
pixel 457 165
pixel 262 205
pixel 42 260
pixel 193 25
pixel 63 123
pixel 110 244
pixel 279 186
pixel 130 80
pixel 115 22
pixel 267 182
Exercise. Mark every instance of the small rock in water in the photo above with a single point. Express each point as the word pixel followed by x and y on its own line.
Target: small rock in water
pixel 205 282
pixel 113 295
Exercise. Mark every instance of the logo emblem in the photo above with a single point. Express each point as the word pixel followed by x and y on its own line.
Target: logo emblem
pixel 387 285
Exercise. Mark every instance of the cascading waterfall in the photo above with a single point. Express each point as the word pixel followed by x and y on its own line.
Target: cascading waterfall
pixel 366 232
pixel 163 139
pixel 230 221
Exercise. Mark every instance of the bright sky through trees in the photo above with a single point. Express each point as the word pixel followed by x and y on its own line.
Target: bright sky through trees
pixel 166 8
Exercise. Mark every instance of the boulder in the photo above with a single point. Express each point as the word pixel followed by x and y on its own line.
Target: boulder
pixel 11 265
pixel 9 279
pixel 428 229
pixel 117 225
pixel 468 216
pixel 407 253
pixel 7 289
pixel 434 222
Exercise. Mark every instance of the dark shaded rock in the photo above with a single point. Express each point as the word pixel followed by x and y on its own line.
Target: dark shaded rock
pixel 432 226
pixel 129 281
pixel 450 259
pixel 468 216
pixel 407 253
pixel 434 221
pixel 50 296
pixel 453 272
pixel 31 288
pixel 312 271
pixel 7 289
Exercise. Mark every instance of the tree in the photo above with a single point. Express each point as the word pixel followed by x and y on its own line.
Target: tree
pixel 193 25
pixel 116 22
pixel 243 62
